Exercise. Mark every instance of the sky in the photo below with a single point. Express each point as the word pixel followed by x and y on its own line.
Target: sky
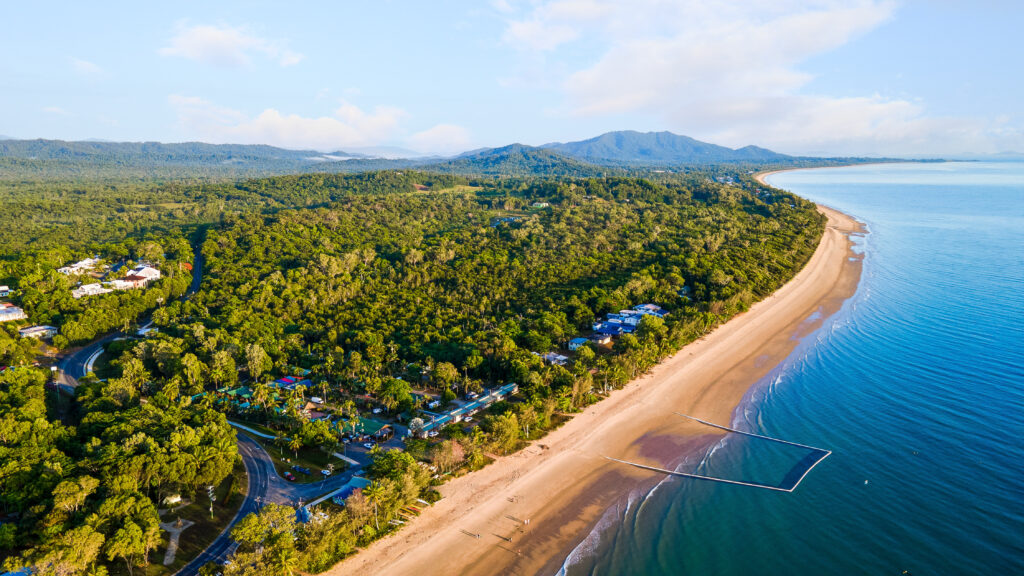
pixel 815 77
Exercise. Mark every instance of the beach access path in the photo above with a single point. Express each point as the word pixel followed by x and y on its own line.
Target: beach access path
pixel 531 508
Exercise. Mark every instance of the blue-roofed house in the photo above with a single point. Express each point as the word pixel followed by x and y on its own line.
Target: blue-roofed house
pixel 576 343
pixel 608 329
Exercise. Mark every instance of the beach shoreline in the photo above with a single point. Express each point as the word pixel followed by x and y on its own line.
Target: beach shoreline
pixel 526 512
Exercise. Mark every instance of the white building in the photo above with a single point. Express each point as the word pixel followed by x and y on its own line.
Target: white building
pixel 577 343
pixel 38 332
pixel 145 271
pixel 5 291
pixel 9 312
pixel 79 267
pixel 555 358
pixel 89 290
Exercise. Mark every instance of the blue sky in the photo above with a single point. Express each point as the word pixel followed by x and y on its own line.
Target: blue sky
pixel 807 77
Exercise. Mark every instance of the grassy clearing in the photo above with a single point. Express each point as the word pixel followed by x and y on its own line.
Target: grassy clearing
pixel 458 188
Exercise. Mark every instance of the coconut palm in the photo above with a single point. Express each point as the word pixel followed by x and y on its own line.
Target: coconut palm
pixel 374 493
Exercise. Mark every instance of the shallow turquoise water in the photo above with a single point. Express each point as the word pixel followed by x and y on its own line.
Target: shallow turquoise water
pixel 917 386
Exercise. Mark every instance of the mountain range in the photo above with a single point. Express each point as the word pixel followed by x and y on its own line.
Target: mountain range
pixel 611 153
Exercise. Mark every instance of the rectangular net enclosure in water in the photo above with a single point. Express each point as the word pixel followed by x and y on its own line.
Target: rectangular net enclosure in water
pixel 790 479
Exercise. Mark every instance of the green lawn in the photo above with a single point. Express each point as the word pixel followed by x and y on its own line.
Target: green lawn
pixel 102 367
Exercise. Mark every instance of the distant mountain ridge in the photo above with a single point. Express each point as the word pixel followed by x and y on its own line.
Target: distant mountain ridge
pixel 659 148
pixel 146 152
pixel 613 153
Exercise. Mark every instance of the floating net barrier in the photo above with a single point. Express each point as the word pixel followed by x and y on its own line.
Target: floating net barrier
pixel 789 482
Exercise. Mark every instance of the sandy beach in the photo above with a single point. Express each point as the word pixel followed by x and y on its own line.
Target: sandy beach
pixel 562 484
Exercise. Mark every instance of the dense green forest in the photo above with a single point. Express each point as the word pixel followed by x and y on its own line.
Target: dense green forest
pixel 80 485
pixel 386 286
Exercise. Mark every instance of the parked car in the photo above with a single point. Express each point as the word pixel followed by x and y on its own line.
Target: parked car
pixel 345 440
pixel 467 419
pixel 289 476
pixel 378 410
pixel 433 433
pixel 300 469
pixel 325 472
pixel 472 395
pixel 368 445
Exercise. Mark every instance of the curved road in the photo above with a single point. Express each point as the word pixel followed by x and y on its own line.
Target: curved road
pixel 264 484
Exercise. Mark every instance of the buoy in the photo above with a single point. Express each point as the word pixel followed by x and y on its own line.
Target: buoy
pixel 865 481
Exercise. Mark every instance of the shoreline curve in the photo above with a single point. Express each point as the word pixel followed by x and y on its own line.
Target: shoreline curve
pixel 563 483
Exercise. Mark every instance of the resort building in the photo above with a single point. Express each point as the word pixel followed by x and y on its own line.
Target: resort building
pixel 555 358
pixel 9 312
pixel 79 267
pixel 89 290
pixel 38 332
pixel 137 277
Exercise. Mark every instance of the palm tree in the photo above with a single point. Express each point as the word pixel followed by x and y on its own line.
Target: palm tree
pixel 288 559
pixel 374 493
pixel 295 444
pixel 260 393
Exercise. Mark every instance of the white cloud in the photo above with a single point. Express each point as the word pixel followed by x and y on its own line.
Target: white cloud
pixel 86 68
pixel 349 125
pixel 226 46
pixel 443 139
pixel 730 72
pixel 57 110
pixel 537 35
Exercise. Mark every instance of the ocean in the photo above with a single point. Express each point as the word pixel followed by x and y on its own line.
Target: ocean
pixel 916 386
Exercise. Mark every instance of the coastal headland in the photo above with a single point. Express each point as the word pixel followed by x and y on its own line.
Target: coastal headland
pixel 524 513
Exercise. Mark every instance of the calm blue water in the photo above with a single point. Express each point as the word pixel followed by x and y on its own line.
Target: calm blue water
pixel 917 385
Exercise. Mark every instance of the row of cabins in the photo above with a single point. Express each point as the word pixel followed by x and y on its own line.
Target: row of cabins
pixel 137 278
pixel 456 415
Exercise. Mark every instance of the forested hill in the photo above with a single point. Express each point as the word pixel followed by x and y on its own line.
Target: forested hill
pixel 518 160
pixel 661 149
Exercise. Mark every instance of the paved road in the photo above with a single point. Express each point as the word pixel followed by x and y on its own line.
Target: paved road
pixel 259 480
pixel 264 486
